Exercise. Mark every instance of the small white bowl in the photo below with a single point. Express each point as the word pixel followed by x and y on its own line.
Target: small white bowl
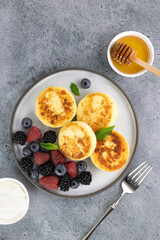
pixel 23 193
pixel 136 34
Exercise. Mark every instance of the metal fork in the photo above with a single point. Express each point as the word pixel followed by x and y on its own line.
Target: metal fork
pixel 129 185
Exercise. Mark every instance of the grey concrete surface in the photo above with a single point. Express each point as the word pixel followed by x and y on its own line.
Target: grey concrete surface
pixel 38 37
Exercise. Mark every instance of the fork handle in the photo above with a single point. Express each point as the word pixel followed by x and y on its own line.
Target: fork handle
pixel 99 221
pixel 109 209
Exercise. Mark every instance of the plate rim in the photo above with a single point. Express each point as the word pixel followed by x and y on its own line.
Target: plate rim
pixel 96 192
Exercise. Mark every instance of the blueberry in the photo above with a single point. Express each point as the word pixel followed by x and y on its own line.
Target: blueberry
pixel 44 149
pixel 34 146
pixel 27 151
pixel 34 174
pixel 85 83
pixel 26 122
pixel 60 170
pixel 74 183
pixel 82 166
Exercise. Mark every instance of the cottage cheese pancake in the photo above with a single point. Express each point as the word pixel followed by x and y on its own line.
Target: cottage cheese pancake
pixel 77 141
pixel 55 106
pixel 98 110
pixel 111 153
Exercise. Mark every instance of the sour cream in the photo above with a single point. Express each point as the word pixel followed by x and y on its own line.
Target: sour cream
pixel 14 201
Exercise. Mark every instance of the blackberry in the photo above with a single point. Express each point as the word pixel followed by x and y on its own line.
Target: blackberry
pixel 85 178
pixel 46 169
pixel 19 137
pixel 26 164
pixel 49 137
pixel 64 183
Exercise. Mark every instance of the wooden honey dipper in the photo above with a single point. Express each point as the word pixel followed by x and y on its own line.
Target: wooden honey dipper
pixel 123 53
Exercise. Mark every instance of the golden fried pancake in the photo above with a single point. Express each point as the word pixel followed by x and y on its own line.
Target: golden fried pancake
pixel 77 141
pixel 111 153
pixel 55 106
pixel 98 110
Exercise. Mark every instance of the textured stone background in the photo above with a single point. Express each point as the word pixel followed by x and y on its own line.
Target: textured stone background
pixel 38 37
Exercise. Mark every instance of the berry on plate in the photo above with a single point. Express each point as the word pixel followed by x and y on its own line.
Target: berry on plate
pixel 50 182
pixel 82 166
pixel 64 183
pixel 72 169
pixel 26 164
pixel 44 149
pixel 27 151
pixel 85 178
pixel 57 157
pixel 60 170
pixel 26 122
pixel 46 169
pixel 33 134
pixel 19 137
pixel 34 146
pixel 49 137
pixel 85 83
pixel 40 157
pixel 34 174
pixel 74 183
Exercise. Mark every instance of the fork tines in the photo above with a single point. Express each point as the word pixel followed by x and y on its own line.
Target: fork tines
pixel 140 173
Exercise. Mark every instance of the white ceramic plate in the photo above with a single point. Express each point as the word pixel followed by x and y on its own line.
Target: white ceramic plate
pixel 126 123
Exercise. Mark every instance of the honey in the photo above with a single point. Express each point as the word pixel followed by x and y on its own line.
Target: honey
pixel 142 51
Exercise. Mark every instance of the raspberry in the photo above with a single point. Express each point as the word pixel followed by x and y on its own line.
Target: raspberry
pixel 40 157
pixel 72 169
pixel 33 134
pixel 57 157
pixel 50 182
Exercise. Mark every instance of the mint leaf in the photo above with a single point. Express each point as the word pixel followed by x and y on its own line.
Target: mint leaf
pixel 75 89
pixel 103 133
pixel 49 146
